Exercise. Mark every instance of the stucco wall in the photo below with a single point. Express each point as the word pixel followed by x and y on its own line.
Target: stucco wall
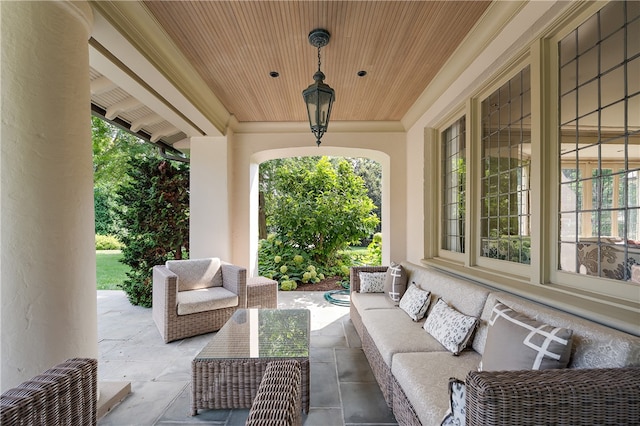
pixel 248 150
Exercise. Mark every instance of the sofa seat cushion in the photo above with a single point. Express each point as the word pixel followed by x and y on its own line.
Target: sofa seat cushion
pixel 205 299
pixel 424 378
pixel 365 301
pixel 392 331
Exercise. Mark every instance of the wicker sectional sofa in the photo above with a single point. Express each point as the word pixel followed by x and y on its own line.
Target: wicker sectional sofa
pixel 601 384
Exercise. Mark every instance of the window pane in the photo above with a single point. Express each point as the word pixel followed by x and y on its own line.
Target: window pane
pixel 612 18
pixel 612 86
pixel 633 84
pixel 568 49
pixel 453 186
pixel 610 53
pixel 588 98
pixel 600 147
pixel 633 115
pixel 633 39
pixel 587 34
pixel 588 66
pixel 505 199
pixel 612 117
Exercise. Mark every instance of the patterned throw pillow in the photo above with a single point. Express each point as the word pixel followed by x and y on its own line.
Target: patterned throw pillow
pixel 395 283
pixel 457 412
pixel 450 327
pixel 415 302
pixel 372 282
pixel 517 342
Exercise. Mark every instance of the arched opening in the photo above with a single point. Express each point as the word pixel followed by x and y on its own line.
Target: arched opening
pixel 262 156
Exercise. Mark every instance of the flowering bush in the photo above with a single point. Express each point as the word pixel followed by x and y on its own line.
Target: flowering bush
pixel 285 264
pixel 290 265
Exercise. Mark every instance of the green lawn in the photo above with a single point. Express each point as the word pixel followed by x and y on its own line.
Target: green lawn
pixel 359 250
pixel 109 270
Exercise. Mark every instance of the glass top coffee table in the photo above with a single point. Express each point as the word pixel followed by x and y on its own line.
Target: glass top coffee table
pixel 227 372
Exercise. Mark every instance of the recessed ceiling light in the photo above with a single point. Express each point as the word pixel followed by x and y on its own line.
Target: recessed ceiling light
pixel 362 73
pixel 274 74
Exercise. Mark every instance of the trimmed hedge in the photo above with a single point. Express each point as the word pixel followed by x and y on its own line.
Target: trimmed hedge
pixel 108 242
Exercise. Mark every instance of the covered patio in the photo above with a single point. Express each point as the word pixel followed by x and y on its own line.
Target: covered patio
pixel 196 77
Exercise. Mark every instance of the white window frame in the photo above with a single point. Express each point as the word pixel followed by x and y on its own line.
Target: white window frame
pixel 578 282
pixel 542 277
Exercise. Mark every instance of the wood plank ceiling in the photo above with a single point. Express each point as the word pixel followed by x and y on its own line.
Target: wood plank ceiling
pixel 234 45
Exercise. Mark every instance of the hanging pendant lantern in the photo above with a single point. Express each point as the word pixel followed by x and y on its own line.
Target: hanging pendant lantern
pixel 318 96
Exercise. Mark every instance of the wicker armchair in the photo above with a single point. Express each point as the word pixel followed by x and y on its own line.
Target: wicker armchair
pixel 196 296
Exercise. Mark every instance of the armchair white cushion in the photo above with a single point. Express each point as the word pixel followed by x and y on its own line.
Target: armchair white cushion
pixel 205 299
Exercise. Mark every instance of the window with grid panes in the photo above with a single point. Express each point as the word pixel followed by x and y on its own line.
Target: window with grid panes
pixel 599 135
pixel 506 151
pixel 454 171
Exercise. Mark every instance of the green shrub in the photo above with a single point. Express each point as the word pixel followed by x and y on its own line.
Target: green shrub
pixel 374 250
pixel 506 247
pixel 320 207
pixel 289 265
pixel 285 264
pixel 108 242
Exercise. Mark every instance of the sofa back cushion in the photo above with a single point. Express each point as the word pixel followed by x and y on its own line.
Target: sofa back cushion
pixel 461 294
pixel 196 273
pixel 593 346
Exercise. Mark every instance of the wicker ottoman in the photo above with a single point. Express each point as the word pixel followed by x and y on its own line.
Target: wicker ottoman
pixel 262 293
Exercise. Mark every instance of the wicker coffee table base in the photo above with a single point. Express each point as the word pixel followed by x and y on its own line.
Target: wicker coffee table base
pixel 234 383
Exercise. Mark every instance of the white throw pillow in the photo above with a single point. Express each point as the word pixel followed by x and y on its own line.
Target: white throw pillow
pixel 457 413
pixel 450 327
pixel 372 282
pixel 415 302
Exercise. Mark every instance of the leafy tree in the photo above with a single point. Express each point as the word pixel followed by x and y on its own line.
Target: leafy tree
pixel 112 148
pixel 106 206
pixel 320 208
pixel 371 173
pixel 156 220
pixel 268 189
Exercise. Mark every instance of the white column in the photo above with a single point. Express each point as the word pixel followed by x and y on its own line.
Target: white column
pixel 209 222
pixel 48 274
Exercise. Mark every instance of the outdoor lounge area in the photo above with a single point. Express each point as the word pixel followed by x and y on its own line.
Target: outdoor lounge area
pixel 343 389
pixel 507 134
